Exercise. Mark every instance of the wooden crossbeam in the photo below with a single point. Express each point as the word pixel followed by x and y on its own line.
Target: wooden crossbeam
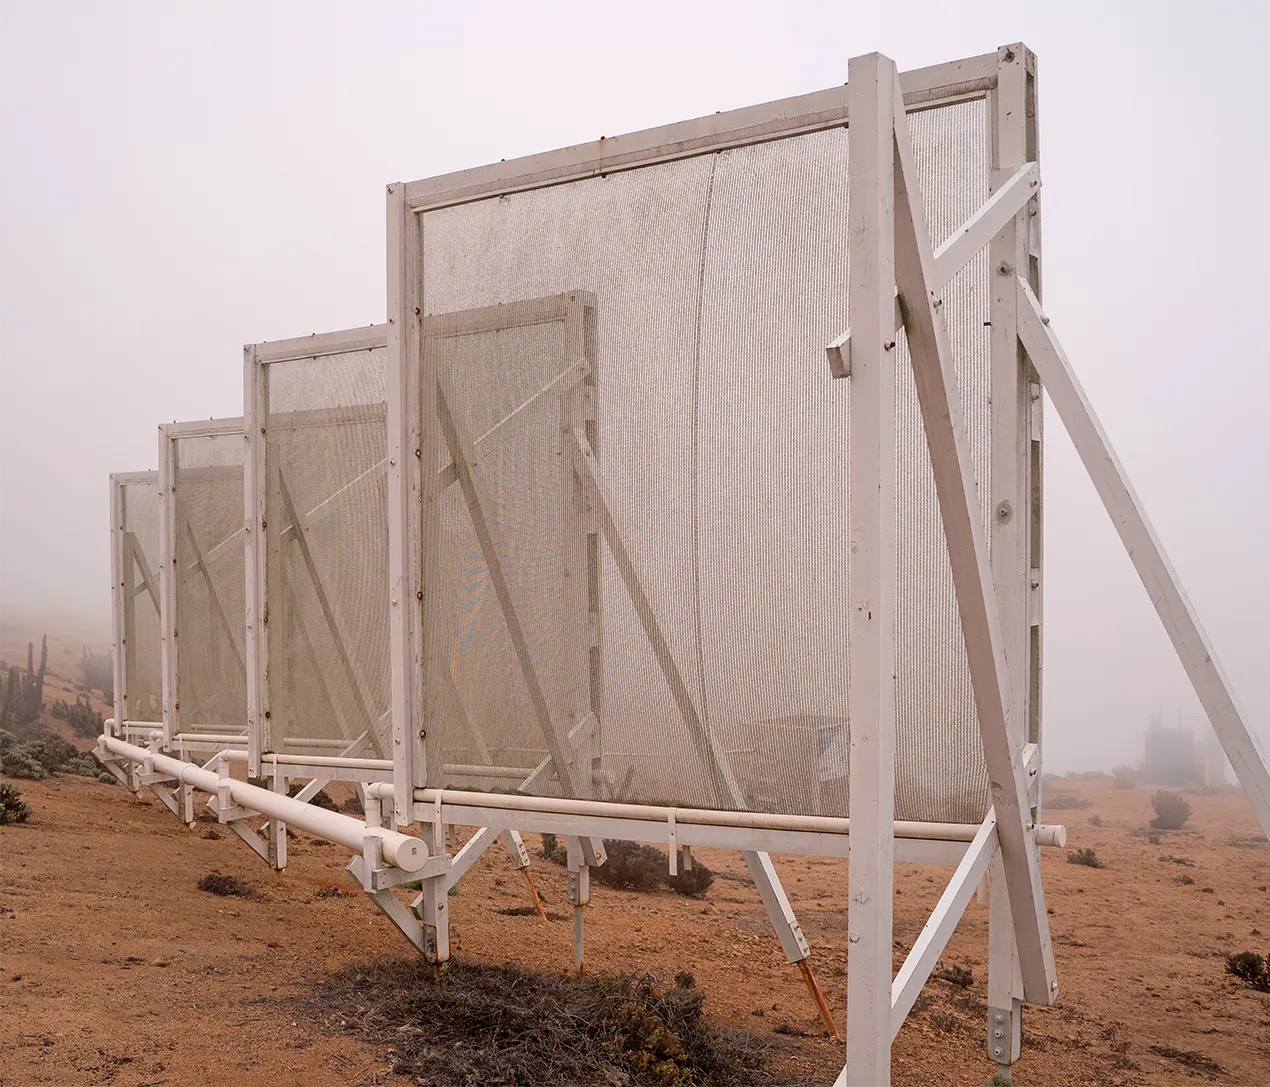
pixel 1160 580
pixel 361 693
pixel 951 257
pixel 939 397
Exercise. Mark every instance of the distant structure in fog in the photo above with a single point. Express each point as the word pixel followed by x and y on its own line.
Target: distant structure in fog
pixel 1176 756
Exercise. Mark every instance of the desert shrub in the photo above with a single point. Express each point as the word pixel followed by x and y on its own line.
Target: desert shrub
pixel 1124 776
pixel 320 799
pixel 1067 802
pixel 1185 880
pixel 1250 968
pixel 353 806
pixel 488 1024
pixel 218 883
pixel 552 850
pixel 34 752
pixel 1087 857
pixel 1186 862
pixel 632 866
pixel 1095 820
pixel 1171 810
pixel 80 715
pixel 691 881
pixel 84 765
pixel 13 809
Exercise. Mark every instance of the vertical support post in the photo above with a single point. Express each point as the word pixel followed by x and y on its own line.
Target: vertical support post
pixel 871 106
pixel 581 684
pixel 120 601
pixel 434 909
pixel 168 577
pixel 255 526
pixel 579 896
pixel 407 456
pixel 1016 496
pixel 277 828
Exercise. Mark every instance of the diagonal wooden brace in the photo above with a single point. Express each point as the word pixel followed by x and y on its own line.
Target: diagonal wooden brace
pixel 464 458
pixel 940 400
pixel 231 633
pixel 1160 580
pixel 365 701
pixel 724 785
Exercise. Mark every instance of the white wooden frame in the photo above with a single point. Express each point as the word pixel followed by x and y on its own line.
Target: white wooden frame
pixel 265 753
pixel 413 493
pixel 256 358
pixel 124 565
pixel 169 577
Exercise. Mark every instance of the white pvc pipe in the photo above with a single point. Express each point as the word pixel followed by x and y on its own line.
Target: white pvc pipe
pixel 241 740
pixel 407 853
pixel 469 770
pixel 335 761
pixel 1049 834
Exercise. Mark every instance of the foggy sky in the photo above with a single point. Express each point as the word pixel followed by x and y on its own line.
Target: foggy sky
pixel 177 180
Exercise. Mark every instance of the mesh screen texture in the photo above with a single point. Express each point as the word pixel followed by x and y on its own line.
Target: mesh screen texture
pixel 326 577
pixel 142 651
pixel 723 449
pixel 210 590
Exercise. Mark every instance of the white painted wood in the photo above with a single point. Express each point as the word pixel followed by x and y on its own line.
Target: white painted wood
pixel 936 380
pixel 872 102
pixel 256 593
pixel 167 588
pixel 939 927
pixel 923 88
pixel 404 476
pixel 1001 209
pixel 1015 497
pixel 1176 612
pixel 118 590
pixel 321 344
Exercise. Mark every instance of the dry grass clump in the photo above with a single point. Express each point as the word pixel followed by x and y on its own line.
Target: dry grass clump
pixel 1087 857
pixel 506 1027
pixel 218 883
pixel 1067 802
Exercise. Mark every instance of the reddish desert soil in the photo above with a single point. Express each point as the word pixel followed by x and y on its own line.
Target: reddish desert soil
pixel 115 969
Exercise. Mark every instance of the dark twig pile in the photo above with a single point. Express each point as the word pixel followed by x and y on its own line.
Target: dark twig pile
pixel 500 1026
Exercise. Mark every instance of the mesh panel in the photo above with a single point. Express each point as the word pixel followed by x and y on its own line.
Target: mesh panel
pixel 142 651
pixel 211 678
pixel 723 447
pixel 327 560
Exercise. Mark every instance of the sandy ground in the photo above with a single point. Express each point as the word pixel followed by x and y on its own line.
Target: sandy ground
pixel 115 969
